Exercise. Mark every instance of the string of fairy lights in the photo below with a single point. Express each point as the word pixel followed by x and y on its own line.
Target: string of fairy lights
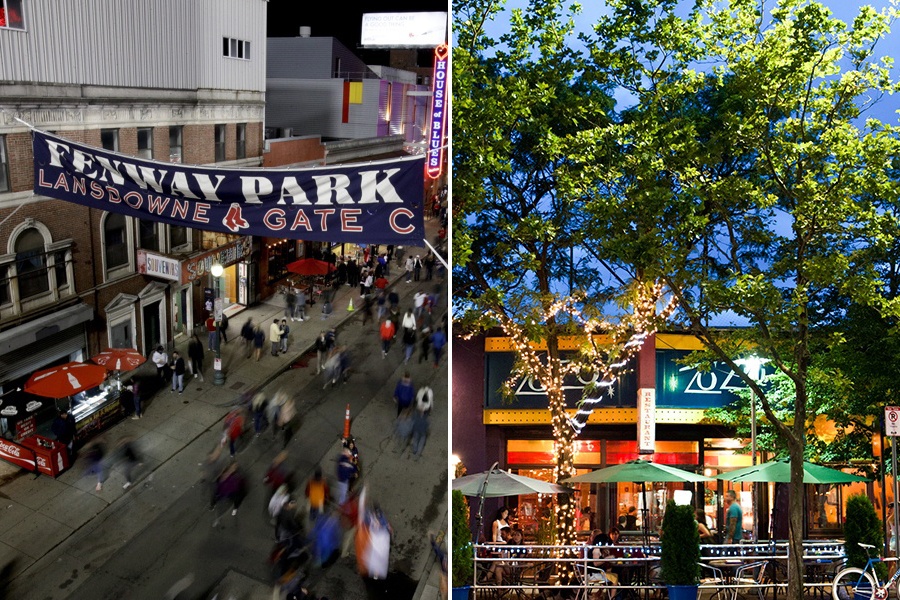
pixel 608 351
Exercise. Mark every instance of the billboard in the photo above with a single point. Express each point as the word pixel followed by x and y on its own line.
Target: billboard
pixel 403 30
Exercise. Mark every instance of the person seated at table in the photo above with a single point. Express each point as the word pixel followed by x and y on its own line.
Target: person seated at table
pixel 598 538
pixel 507 571
pixel 495 572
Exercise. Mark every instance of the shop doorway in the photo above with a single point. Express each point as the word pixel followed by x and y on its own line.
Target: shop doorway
pixel 152 325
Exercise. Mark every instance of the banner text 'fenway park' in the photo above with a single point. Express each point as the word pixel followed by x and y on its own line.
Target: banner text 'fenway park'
pixel 379 202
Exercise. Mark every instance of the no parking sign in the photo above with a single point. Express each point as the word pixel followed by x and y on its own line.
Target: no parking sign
pixel 892 420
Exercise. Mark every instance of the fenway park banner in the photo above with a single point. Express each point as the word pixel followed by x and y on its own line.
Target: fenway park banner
pixel 379 202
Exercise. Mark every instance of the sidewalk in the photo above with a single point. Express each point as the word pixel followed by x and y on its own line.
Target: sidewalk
pixel 40 515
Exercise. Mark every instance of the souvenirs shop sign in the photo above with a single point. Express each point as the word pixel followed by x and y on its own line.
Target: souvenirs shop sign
pixel 377 202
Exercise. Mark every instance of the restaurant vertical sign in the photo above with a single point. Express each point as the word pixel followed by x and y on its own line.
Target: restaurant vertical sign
pixel 434 163
pixel 646 420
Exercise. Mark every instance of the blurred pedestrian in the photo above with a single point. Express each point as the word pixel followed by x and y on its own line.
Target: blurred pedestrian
pixel 346 473
pixel 403 430
pixel 420 429
pixel 425 400
pixel 378 550
pixel 195 354
pixel 326 538
pixel 96 459
pixel 316 493
pixel 130 459
pixel 404 392
pixel 287 417
pixel 279 474
pixel 211 330
pixel 223 328
pixel 247 331
pixel 408 267
pixel 258 405
pixel 259 339
pixel 300 308
pixel 233 428
pixel 136 390
pixel 438 341
pixel 232 486
pixel 213 466
pixel 409 343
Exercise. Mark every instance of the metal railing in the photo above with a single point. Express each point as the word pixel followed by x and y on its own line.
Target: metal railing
pixel 538 567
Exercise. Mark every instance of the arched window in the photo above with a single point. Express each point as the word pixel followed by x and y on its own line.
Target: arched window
pixel 115 239
pixel 31 264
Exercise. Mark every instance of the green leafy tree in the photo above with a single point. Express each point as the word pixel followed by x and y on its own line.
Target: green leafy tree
pixel 520 257
pixel 862 525
pixel 462 554
pixel 750 180
pixel 680 546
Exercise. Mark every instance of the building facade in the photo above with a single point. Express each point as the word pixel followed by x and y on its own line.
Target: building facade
pixel 175 82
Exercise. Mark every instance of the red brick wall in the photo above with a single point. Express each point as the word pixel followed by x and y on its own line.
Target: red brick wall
pixel 290 152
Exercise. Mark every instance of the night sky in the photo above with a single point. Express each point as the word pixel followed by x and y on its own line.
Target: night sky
pixel 285 17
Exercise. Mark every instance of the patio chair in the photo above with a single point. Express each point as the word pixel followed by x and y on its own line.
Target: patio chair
pixel 714 578
pixel 751 574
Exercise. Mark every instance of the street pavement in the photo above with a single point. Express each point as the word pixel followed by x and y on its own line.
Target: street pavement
pixel 68 540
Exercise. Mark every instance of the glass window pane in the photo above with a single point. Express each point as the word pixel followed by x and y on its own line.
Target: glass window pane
pixel 109 139
pixel 11 15
pixel 145 142
pixel 175 155
pixel 177 236
pixel 149 237
pixel 4 166
pixel 116 240
pixel 62 277
pixel 31 264
pixel 247 50
pixel 225 46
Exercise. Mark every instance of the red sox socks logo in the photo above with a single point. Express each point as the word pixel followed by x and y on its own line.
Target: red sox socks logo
pixel 234 220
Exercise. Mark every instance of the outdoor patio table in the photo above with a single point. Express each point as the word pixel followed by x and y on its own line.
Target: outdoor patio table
pixel 729 568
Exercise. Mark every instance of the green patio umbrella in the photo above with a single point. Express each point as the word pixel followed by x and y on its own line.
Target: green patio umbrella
pixel 640 471
pixel 779 471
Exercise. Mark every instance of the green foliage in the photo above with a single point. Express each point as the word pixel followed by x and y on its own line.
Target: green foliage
pixel 862 525
pixel 680 539
pixel 462 555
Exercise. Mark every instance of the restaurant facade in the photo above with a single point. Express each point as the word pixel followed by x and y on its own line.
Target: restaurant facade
pixel 655 411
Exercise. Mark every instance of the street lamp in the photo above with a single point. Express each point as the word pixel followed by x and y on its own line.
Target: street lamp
pixel 753 368
pixel 219 376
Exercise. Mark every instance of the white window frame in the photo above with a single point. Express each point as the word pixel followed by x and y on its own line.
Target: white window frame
pixel 128 268
pixel 20 4
pixel 122 308
pixel 235 48
pixel 55 292
pixel 183 248
pixel 160 235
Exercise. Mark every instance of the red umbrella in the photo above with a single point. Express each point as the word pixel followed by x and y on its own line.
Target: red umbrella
pixel 310 266
pixel 65 380
pixel 120 359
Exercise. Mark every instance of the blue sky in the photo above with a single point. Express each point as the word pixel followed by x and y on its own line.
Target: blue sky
pixel 845 10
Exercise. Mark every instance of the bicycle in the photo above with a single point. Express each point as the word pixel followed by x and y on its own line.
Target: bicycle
pixel 854 583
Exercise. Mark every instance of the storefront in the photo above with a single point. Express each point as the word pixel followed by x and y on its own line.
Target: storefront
pixel 516 432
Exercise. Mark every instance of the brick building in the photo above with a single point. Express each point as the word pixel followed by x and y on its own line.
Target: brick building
pixel 182 82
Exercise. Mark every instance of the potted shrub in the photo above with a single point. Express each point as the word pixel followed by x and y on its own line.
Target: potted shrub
pixel 462 573
pixel 863 525
pixel 680 561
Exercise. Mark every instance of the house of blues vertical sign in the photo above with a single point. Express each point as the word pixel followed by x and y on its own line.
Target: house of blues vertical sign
pixel 435 160
pixel 646 420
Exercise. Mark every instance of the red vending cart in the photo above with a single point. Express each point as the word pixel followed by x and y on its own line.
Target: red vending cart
pixel 52 457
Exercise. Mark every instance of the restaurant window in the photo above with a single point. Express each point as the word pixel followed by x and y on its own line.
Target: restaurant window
pixel 115 241
pixel 148 235
pixel 31 264
pixel 11 16
pixel 109 139
pixel 241 140
pixel 220 143
pixel 145 142
pixel 280 254
pixel 175 143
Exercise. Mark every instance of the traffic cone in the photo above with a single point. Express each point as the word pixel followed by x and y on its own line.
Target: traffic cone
pixel 350 306
pixel 347 422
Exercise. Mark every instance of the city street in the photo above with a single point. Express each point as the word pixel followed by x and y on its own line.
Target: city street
pixel 159 536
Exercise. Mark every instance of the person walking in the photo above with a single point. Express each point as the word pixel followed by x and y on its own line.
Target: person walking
pixel 346 473
pixel 409 343
pixel 258 406
pixel 420 428
pixel 275 332
pixel 403 425
pixel 232 428
pixel 285 331
pixel 290 303
pixel 195 354
pixel 404 393
pixel 417 268
pixel 178 370
pixel 410 262
pixel 387 331
pixel 96 459
pixel 316 493
pixel 223 328
pixel 287 417
pixel 424 346
pixel 321 346
pixel 425 399
pixel 300 307
pixel 232 485
pixel 247 335
pixel 438 341
pixel 161 360
pixel 259 339
pixel 130 459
